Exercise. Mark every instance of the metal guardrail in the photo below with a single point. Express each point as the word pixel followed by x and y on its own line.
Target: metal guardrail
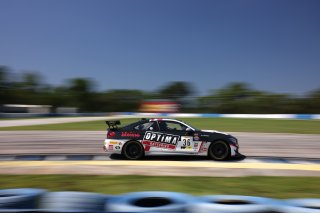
pixel 39 200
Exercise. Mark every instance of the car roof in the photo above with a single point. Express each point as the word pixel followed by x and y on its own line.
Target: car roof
pixel 163 119
pixel 170 119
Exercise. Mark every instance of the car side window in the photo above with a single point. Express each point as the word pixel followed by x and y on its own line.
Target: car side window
pixel 147 126
pixel 171 126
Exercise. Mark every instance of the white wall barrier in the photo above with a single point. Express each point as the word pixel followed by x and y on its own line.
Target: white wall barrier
pixel 175 115
pixel 213 115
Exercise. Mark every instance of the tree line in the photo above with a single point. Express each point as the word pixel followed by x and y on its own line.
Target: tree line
pixel 239 97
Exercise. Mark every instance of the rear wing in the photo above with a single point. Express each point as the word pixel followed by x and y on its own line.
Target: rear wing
pixel 113 124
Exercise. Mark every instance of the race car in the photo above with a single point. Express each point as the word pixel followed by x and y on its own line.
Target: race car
pixel 164 136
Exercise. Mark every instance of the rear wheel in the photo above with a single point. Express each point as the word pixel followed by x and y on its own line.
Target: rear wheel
pixel 219 150
pixel 133 150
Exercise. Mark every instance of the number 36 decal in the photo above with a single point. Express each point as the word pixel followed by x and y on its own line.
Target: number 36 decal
pixel 186 142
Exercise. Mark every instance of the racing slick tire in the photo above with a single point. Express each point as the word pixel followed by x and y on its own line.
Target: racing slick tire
pixel 219 150
pixel 233 204
pixel 71 201
pixel 133 150
pixel 301 205
pixel 151 201
pixel 20 198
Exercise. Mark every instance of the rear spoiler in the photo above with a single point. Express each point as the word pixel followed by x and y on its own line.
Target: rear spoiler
pixel 113 124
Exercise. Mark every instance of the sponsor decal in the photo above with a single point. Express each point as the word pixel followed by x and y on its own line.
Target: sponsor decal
pixel 149 144
pixel 117 147
pixel 114 142
pixel 110 147
pixel 130 134
pixel 186 147
pixel 195 145
pixel 196 137
pixel 203 147
pixel 161 137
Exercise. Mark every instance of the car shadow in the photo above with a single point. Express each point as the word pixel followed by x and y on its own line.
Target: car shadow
pixel 240 157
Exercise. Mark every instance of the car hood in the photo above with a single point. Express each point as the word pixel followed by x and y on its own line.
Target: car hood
pixel 214 131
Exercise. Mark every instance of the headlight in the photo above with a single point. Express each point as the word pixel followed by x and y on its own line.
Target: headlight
pixel 234 140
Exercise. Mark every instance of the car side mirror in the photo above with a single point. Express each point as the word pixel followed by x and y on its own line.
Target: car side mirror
pixel 189 131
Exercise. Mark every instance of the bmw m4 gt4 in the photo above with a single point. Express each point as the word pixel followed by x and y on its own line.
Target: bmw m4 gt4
pixel 164 136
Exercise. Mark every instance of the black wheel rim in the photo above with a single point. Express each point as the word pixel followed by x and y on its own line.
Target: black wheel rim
pixel 219 150
pixel 133 151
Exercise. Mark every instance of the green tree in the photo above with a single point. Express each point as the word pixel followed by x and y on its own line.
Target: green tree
pixel 121 100
pixel 4 85
pixel 311 104
pixel 176 90
pixel 31 81
pixel 81 93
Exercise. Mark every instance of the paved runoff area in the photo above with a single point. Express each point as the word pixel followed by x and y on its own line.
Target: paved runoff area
pixel 41 121
pixel 80 152
pixel 161 168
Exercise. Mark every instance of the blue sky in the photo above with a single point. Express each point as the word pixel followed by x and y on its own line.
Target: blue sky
pixel 274 45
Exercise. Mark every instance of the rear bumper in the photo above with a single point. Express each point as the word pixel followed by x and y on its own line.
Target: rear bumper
pixel 112 146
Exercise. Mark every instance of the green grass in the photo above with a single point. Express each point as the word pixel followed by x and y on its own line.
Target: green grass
pixel 221 124
pixel 277 187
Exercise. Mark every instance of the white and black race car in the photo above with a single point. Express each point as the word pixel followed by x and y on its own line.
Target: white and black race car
pixel 165 136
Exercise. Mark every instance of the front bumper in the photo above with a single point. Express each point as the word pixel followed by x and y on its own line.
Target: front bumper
pixel 234 150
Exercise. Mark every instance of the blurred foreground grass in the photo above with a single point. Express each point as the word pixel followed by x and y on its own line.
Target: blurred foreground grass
pixel 277 187
pixel 221 124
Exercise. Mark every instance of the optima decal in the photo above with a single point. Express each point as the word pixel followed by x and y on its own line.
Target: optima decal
pixel 160 137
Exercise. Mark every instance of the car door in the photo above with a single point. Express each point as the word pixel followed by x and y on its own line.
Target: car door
pixel 148 130
pixel 185 142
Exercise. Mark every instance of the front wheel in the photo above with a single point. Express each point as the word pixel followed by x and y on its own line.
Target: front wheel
pixel 133 150
pixel 219 150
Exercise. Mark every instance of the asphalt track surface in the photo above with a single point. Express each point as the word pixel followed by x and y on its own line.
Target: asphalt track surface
pixel 265 154
pixel 91 142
